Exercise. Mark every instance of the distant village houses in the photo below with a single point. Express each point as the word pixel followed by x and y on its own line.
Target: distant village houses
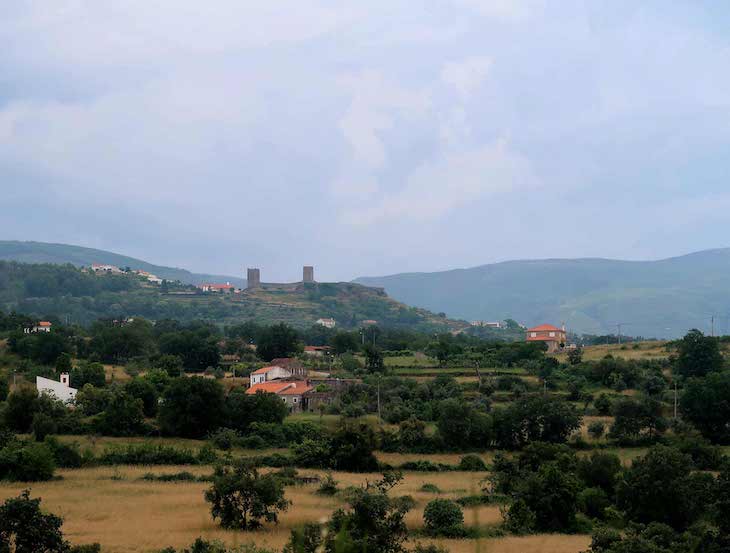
pixel 41 326
pixel 103 268
pixel 217 288
pixel 486 324
pixel 60 390
pixel 316 351
pixel 554 337
pixel 327 323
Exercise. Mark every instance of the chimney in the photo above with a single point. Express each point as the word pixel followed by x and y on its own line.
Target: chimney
pixel 65 379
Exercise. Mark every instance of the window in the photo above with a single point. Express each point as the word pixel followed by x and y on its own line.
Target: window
pixel 552 335
pixel 533 334
pixel 295 400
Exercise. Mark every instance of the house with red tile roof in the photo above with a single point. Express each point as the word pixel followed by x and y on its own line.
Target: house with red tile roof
pixel 42 326
pixel 208 287
pixel 267 374
pixel 316 351
pixel 290 391
pixel 554 337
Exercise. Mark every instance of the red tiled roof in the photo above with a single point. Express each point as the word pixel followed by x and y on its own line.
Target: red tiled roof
pixel 44 323
pixel 317 348
pixel 270 387
pixel 263 370
pixel 295 390
pixel 544 328
pixel 218 286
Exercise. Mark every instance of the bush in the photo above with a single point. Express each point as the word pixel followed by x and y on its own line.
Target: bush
pixel 472 463
pixel 65 455
pixel 593 502
pixel 147 454
pixel 596 429
pixel 443 517
pixel 519 519
pixel 328 486
pixel 173 477
pixel 420 466
pixel 26 462
pixel 224 438
pixel 430 488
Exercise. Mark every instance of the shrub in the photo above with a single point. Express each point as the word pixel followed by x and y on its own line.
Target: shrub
pixel 420 466
pixel 26 529
pixel 65 455
pixel 443 517
pixel 430 488
pixel 328 486
pixel 147 454
pixel 224 438
pixel 26 462
pixel 519 519
pixel 593 502
pixel 173 477
pixel 596 429
pixel 472 463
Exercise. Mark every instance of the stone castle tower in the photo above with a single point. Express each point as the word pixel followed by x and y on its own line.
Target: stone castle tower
pixel 308 274
pixel 253 277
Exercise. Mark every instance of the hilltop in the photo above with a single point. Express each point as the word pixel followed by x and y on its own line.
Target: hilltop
pixel 69 293
pixel 61 254
pixel 651 298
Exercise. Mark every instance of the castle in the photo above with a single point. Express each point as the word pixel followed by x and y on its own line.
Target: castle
pixel 253 278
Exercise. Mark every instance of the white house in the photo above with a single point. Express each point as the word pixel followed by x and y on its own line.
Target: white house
pixel 59 390
pixel 266 374
pixel 103 268
pixel 42 326
pixel 327 323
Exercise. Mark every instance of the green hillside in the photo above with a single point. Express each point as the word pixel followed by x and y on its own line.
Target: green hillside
pixel 60 254
pixel 68 293
pixel 651 298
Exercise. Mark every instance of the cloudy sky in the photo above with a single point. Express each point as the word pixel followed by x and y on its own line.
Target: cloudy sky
pixel 365 137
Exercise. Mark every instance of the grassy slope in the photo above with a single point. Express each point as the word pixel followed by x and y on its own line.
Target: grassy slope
pixel 655 298
pixel 42 252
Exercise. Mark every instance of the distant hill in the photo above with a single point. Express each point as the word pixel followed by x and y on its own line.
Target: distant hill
pixel 651 298
pixel 42 252
pixel 70 294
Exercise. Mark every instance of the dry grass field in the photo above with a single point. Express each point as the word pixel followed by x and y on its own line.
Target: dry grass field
pixel 112 506
pixel 639 350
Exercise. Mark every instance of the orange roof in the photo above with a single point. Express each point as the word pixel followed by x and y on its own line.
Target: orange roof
pixel 317 348
pixel 44 323
pixel 544 328
pixel 295 390
pixel 269 387
pixel 264 370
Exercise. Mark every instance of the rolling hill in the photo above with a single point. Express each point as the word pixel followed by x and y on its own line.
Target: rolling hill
pixel 60 254
pixel 661 298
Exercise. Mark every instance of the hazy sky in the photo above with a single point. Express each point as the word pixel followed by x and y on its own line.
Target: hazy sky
pixel 365 137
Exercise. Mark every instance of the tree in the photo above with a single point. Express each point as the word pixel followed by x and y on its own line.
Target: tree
pixel 26 462
pixel 143 389
pixel 632 419
pixel 171 364
pixel 191 407
pixel 279 340
pixel 535 419
pixel 88 373
pixel 698 355
pixel 241 497
pixel 43 425
pixel 241 409
pixel 344 342
pixel 20 408
pixel 657 488
pixel 4 388
pixel 63 363
pixel 352 448
pixel 461 426
pixel 197 349
pixel 575 356
pixel 24 528
pixel 443 517
pixel 705 404
pixel 374 362
pixel 123 416
pixel 552 495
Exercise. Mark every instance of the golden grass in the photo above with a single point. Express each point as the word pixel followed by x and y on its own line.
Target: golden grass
pixel 646 350
pixel 110 505
pixel 396 459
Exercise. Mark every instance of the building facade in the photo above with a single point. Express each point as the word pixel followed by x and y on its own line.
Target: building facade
pixel 554 337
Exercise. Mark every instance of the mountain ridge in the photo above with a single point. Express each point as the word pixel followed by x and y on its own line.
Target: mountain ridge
pixel 662 297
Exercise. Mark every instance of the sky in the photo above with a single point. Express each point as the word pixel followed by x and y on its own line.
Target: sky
pixel 365 138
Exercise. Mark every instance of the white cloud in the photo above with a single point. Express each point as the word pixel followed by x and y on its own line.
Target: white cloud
pixel 438 187
pixel 467 75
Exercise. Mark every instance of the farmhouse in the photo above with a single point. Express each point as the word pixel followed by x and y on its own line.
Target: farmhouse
pixel 103 268
pixel 294 366
pixel 267 374
pixel 59 390
pixel 227 287
pixel 327 323
pixel 291 392
pixel 42 326
pixel 316 351
pixel 553 336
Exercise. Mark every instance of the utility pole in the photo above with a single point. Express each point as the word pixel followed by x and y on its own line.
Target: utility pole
pixel 712 323
pixel 380 419
pixel 675 400
pixel 618 328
